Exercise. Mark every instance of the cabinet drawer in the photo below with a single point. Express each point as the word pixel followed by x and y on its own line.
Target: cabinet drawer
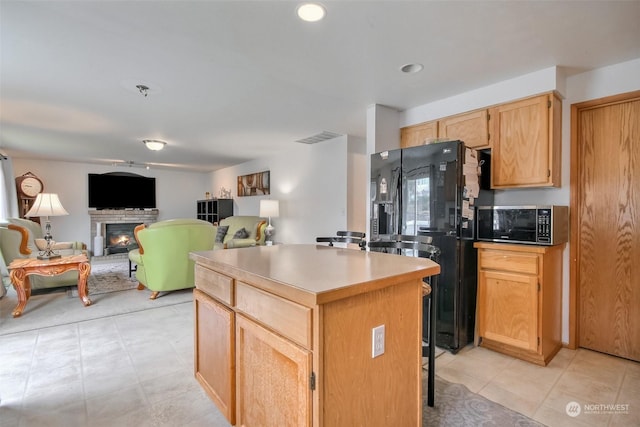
pixel 214 284
pixel 509 261
pixel 288 318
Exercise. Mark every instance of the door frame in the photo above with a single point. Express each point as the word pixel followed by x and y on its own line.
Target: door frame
pixel 574 252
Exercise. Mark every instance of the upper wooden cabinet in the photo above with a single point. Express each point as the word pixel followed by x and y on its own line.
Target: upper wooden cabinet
pixel 527 142
pixel 411 136
pixel 472 128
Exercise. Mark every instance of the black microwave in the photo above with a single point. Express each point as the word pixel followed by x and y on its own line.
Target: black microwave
pixel 535 225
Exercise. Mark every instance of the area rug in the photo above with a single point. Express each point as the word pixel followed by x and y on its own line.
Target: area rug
pixel 107 277
pixel 456 406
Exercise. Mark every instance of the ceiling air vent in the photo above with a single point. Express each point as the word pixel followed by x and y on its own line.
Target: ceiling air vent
pixel 319 137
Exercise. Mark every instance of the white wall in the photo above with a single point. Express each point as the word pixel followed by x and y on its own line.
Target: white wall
pixel 311 183
pixel 357 183
pixel 176 192
pixel 606 81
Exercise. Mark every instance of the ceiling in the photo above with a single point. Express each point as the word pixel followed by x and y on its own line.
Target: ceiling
pixel 231 81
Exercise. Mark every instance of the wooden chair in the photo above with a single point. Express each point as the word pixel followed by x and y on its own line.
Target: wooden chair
pixel 355 237
pixel 418 246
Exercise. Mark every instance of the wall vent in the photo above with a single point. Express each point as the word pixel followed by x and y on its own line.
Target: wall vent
pixel 323 136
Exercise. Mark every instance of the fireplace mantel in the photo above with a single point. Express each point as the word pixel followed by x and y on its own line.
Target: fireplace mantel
pixel 119 216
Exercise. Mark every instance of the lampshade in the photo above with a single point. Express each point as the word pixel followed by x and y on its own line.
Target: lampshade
pixel 269 208
pixel 154 144
pixel 47 204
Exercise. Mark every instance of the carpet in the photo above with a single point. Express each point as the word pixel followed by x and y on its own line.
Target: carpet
pixel 108 277
pixel 111 290
pixel 456 406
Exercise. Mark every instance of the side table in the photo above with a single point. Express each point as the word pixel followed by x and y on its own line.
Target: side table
pixel 21 269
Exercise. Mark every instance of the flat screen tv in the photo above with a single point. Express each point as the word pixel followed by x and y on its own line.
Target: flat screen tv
pixel 121 190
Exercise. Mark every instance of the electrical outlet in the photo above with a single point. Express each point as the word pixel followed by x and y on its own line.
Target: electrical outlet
pixel 377 341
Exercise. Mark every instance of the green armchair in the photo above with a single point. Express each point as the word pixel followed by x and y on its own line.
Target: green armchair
pixel 226 237
pixel 18 239
pixel 162 258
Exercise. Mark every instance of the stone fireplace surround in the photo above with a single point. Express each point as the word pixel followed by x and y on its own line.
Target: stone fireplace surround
pixel 118 216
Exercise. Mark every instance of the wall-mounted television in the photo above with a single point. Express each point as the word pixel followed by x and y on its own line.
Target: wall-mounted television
pixel 121 190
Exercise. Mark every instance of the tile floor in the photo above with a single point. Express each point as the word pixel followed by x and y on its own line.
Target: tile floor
pixel 137 370
pixel 588 378
pixel 128 370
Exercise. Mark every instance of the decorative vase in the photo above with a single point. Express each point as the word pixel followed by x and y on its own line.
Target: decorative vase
pixel 98 246
pixel 98 241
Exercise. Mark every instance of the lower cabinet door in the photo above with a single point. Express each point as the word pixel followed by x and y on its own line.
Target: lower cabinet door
pixel 273 378
pixel 214 352
pixel 509 309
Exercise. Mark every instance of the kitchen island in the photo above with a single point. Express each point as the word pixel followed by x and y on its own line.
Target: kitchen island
pixel 284 335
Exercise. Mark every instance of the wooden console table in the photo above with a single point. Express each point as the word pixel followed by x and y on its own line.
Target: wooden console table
pixel 284 335
pixel 21 269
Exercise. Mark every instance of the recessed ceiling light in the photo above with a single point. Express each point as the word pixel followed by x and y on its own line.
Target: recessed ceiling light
pixel 311 12
pixel 411 68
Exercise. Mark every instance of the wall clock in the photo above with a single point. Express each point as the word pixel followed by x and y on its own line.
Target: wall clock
pixel 28 187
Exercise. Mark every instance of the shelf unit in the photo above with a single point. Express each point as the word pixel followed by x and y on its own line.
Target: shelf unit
pixel 214 210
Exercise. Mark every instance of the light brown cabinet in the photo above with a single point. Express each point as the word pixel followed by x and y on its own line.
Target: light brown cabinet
pixel 524 137
pixel 277 347
pixel 411 136
pixel 214 365
pixel 520 300
pixel 265 360
pixel 472 128
pixel 526 149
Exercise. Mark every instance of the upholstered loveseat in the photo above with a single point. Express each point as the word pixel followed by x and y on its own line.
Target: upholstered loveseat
pixel 240 232
pixel 162 258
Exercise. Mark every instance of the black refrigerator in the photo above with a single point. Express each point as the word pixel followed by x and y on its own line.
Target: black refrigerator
pixel 432 190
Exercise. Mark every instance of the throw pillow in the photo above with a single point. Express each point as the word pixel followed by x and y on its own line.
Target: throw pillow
pixel 241 234
pixel 222 231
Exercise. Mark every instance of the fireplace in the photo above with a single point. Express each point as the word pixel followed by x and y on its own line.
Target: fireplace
pixel 119 238
pixel 103 220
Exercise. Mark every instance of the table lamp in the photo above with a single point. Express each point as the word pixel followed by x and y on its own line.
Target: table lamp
pixel 46 205
pixel 269 208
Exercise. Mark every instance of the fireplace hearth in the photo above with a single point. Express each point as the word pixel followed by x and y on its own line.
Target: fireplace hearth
pixel 118 241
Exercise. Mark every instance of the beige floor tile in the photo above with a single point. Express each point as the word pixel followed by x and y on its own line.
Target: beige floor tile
pixel 526 384
pixel 629 396
pixel 553 417
pixel 600 367
pixel 477 367
pixel 541 375
pixel 488 356
pixel 454 375
pixel 444 359
pixel 587 388
pixel 563 358
pixel 525 404
pixel 558 399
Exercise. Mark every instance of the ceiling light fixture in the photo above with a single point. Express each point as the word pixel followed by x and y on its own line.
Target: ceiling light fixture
pixel 154 144
pixel 143 89
pixel 412 68
pixel 131 164
pixel 311 12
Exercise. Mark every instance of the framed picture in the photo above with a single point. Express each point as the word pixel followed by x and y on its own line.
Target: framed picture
pixel 255 184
